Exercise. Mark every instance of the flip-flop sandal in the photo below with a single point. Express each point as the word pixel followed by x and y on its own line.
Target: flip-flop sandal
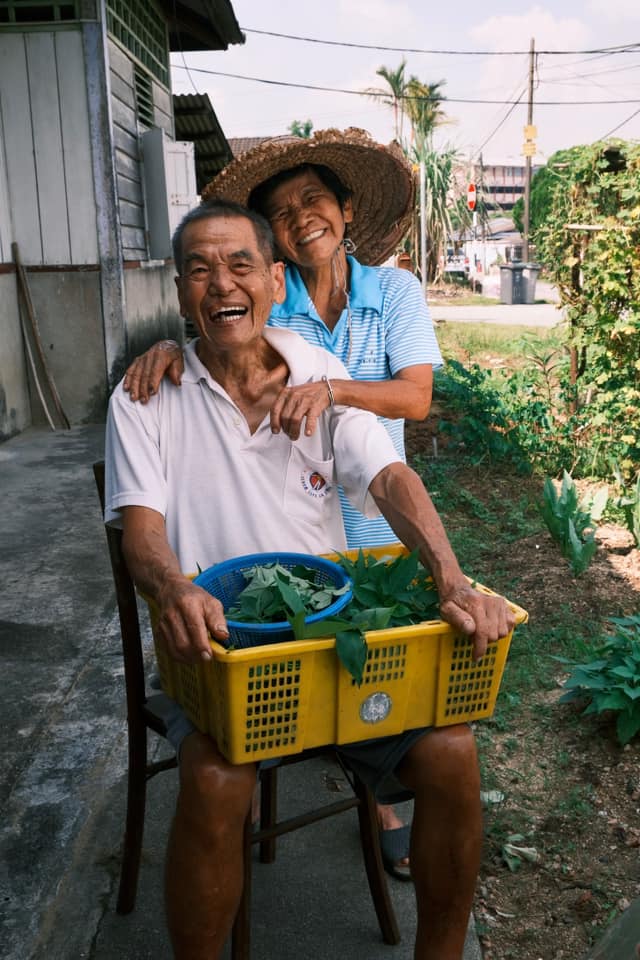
pixel 394 845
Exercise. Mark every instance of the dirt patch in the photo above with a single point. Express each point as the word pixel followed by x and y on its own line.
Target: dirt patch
pixel 568 794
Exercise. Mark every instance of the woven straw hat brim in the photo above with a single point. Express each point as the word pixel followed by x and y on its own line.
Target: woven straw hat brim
pixel 380 179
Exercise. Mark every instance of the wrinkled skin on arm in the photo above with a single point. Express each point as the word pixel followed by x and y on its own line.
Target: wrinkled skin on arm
pixel 407 395
pixel 186 612
pixel 401 497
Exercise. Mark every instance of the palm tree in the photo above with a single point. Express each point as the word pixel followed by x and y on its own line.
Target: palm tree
pixel 438 227
pixel 393 96
pixel 301 129
pixel 422 103
pixel 424 108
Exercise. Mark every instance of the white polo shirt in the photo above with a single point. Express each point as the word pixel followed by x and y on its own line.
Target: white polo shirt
pixel 189 454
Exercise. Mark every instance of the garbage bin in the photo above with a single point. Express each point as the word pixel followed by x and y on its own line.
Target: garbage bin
pixel 531 271
pixel 512 285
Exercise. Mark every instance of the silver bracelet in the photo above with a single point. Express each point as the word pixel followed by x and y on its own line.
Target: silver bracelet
pixel 329 391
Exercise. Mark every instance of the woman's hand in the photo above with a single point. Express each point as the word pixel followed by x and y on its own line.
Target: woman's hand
pixel 143 376
pixel 296 404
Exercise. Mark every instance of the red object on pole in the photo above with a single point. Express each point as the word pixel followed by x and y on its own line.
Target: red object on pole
pixel 471 196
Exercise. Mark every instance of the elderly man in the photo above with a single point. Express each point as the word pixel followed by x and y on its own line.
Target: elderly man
pixel 198 475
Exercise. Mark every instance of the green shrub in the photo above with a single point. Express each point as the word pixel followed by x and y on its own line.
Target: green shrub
pixel 571 523
pixel 629 503
pixel 611 681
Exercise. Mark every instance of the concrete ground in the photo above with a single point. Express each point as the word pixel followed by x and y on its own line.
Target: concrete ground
pixel 544 312
pixel 64 756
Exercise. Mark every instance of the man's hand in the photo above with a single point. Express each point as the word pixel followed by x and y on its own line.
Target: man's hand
pixel 143 376
pixel 483 618
pixel 187 614
pixel 295 404
pixel 403 500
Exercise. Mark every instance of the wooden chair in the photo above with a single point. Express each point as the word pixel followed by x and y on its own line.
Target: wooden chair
pixel 144 714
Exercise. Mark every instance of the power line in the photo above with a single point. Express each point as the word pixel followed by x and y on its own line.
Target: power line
pixel 589 76
pixel 504 120
pixel 620 48
pixel 624 122
pixel 362 93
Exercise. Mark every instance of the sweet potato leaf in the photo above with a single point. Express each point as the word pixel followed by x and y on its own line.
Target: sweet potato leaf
pixel 351 648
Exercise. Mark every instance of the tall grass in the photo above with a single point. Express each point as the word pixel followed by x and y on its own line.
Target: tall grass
pixel 476 341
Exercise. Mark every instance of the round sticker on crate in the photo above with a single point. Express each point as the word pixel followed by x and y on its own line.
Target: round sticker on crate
pixel 376 708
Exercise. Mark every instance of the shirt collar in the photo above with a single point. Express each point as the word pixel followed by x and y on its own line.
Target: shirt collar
pixel 365 292
pixel 296 352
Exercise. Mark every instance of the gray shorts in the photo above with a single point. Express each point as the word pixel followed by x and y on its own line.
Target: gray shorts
pixel 374 761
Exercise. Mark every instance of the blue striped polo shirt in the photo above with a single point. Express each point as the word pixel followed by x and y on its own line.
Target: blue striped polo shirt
pixel 391 329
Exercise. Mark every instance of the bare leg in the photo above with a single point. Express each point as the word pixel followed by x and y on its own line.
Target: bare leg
pixel 203 878
pixel 442 770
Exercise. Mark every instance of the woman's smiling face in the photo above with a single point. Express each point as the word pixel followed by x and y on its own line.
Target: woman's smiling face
pixel 307 219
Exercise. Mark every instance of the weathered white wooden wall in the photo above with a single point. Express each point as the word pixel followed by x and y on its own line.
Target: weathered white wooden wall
pixel 43 111
pixel 128 153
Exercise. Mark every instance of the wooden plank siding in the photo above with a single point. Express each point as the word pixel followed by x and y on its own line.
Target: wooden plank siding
pixel 130 190
pixel 47 143
pixel 127 154
pixel 163 109
pixel 6 229
pixel 18 144
pixel 76 148
pixel 45 129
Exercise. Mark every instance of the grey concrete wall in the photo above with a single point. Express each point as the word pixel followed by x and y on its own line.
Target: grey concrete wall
pixel 151 306
pixel 69 314
pixel 15 406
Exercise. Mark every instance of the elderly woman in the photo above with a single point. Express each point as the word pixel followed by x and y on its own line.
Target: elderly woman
pixel 327 198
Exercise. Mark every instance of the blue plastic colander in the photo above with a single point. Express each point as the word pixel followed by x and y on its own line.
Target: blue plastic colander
pixel 226 580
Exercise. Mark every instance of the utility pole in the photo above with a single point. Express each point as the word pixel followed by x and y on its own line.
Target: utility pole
pixel 529 149
pixel 423 229
pixel 483 221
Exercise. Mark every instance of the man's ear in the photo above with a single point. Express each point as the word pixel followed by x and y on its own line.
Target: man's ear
pixel 279 283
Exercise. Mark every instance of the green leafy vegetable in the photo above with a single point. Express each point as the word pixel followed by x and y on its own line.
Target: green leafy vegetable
pixel 570 523
pixel 273 594
pixel 611 681
pixel 386 593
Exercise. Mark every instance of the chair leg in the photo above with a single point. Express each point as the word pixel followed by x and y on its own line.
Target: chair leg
pixel 370 842
pixel 134 824
pixel 241 933
pixel 268 811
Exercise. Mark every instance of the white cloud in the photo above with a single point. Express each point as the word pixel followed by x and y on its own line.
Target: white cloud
pixel 385 21
pixel 513 31
pixel 615 10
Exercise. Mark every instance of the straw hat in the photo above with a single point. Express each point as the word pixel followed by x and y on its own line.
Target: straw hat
pixel 380 179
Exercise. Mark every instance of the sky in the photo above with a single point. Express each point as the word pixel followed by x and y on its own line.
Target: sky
pixel 248 108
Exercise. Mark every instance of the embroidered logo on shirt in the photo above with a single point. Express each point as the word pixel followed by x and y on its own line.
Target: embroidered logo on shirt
pixel 314 484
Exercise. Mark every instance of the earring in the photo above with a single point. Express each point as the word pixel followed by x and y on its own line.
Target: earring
pixel 349 246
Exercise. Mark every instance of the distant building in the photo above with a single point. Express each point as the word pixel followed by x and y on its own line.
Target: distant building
pixel 242 144
pixel 499 184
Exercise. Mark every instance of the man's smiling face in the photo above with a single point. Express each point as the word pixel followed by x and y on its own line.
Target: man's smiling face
pixel 228 285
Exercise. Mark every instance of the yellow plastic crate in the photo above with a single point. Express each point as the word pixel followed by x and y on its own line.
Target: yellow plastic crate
pixel 279 699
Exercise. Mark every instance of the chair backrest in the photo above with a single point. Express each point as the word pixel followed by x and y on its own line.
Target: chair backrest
pixel 129 622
